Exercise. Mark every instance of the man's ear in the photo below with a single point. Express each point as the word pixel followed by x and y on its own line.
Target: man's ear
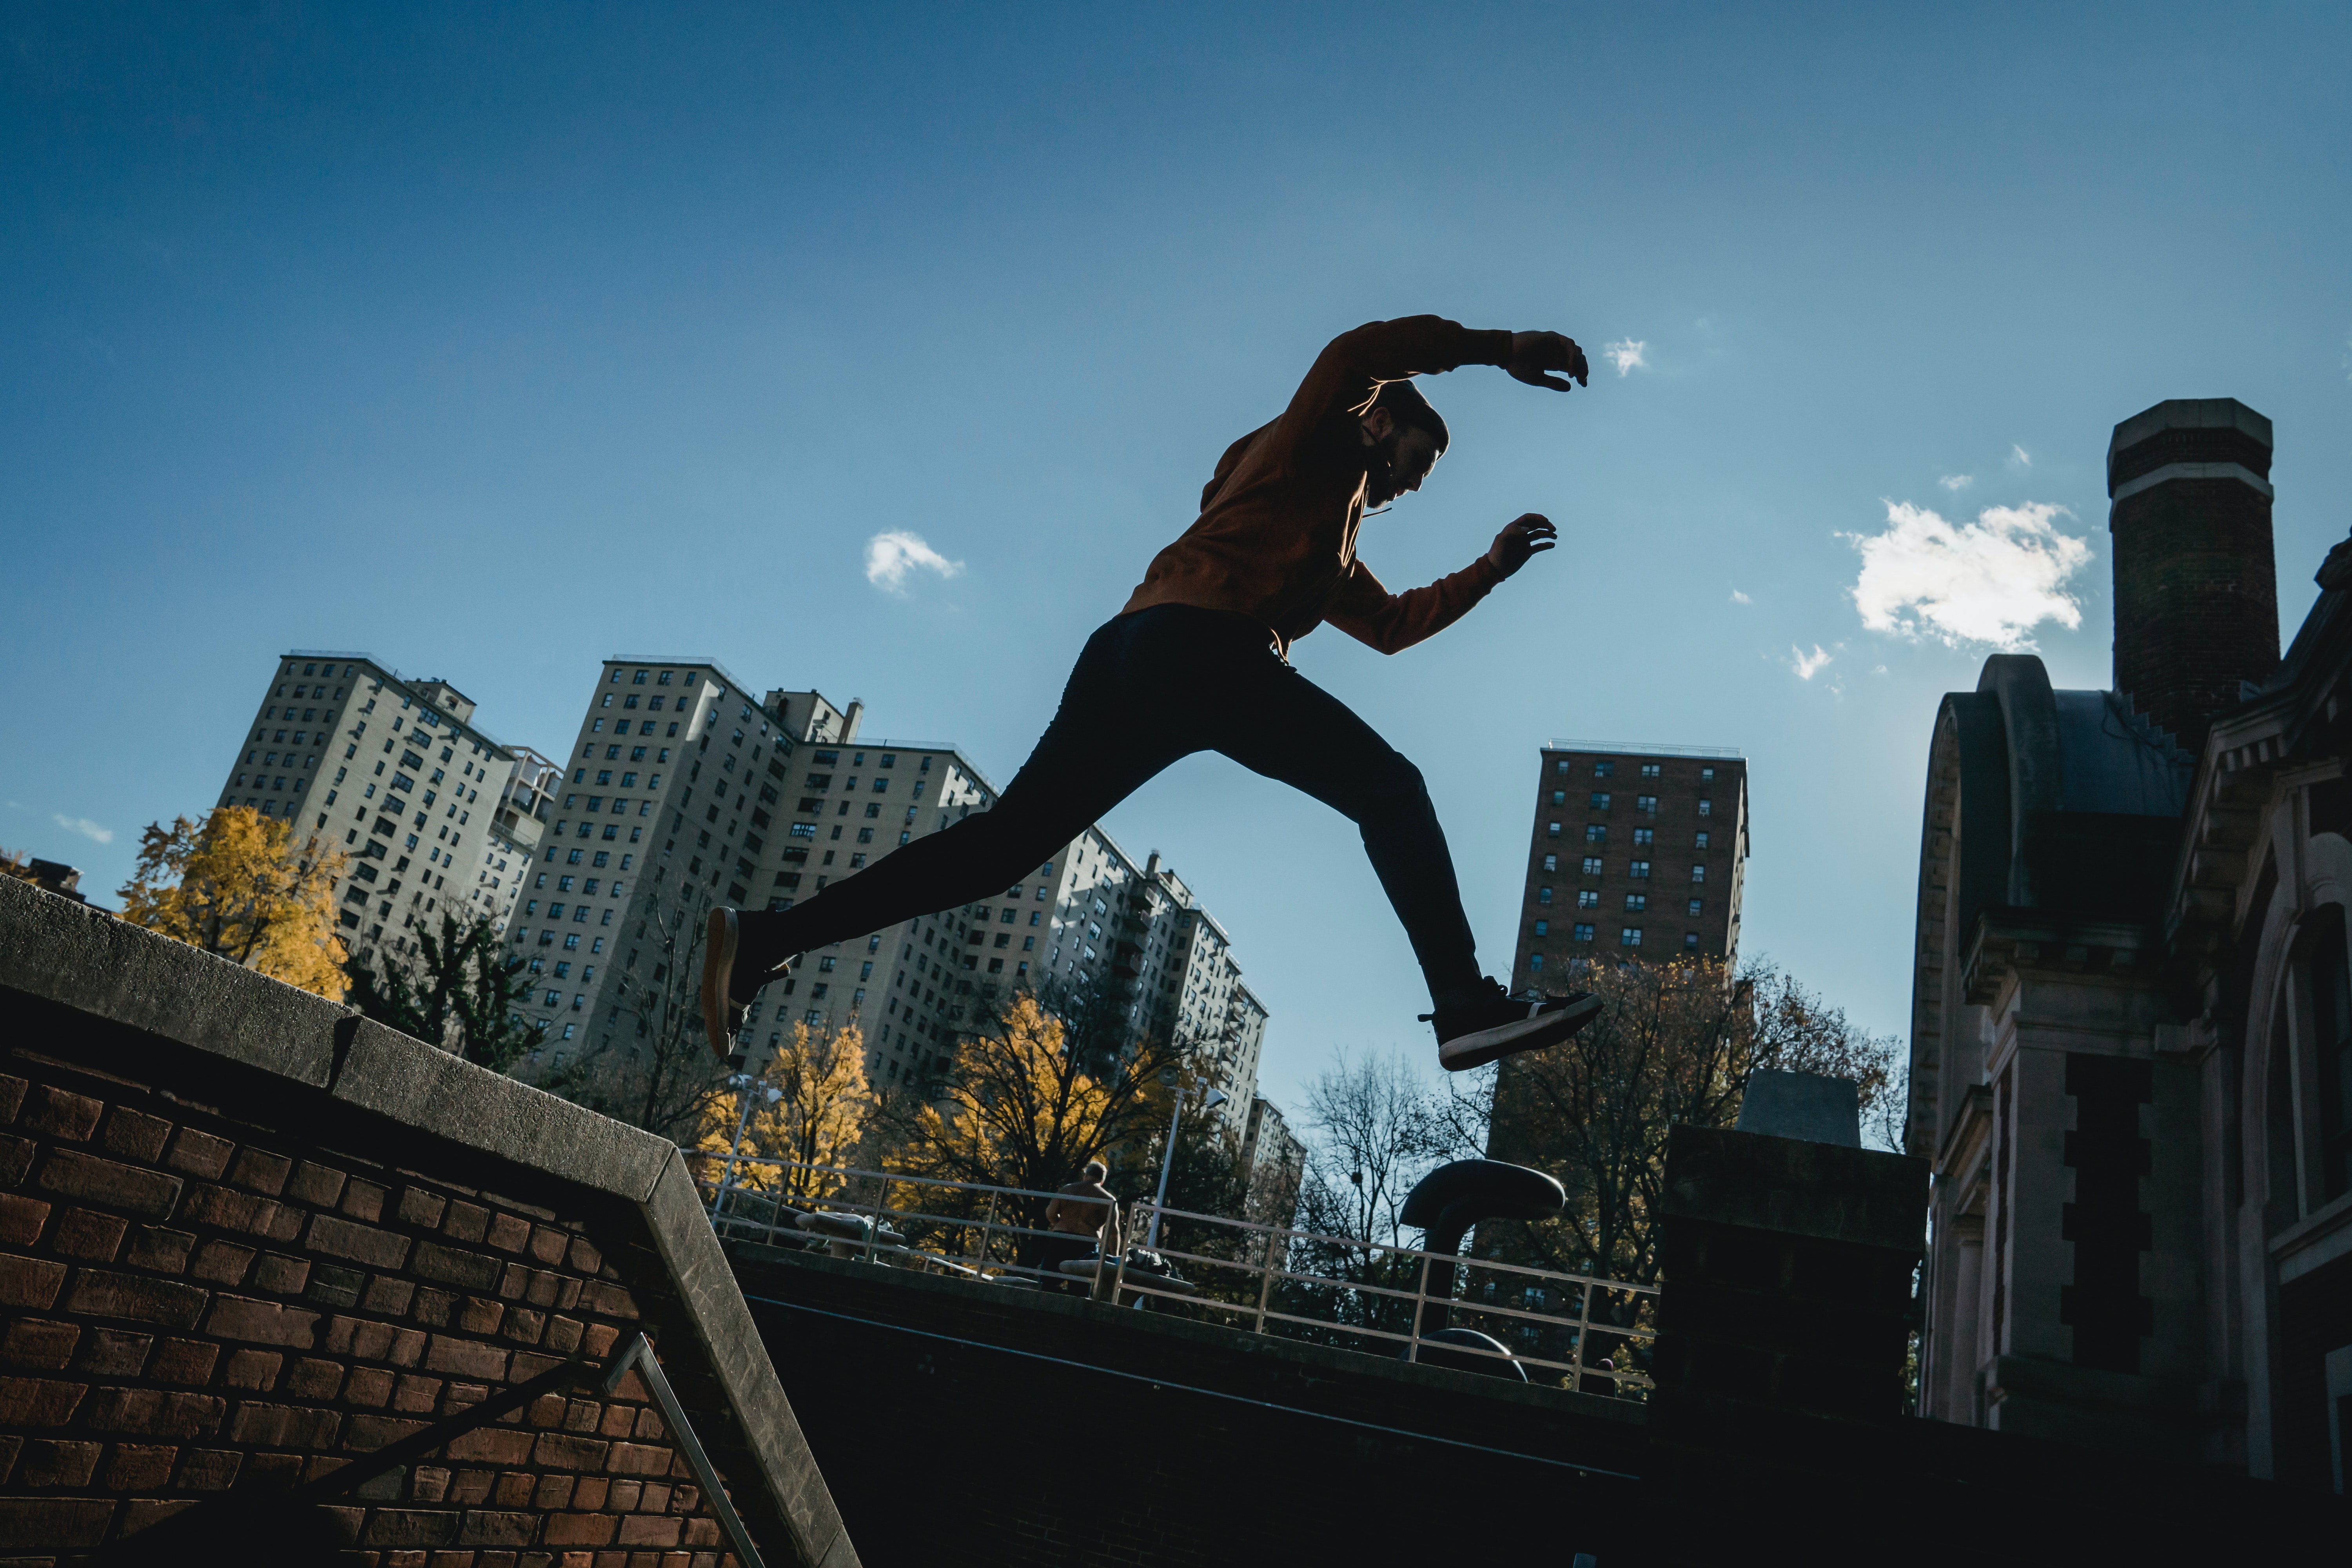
pixel 1378 426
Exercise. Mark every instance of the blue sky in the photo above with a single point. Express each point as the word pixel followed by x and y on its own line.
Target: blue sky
pixel 628 328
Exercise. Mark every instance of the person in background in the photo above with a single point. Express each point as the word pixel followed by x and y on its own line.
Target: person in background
pixel 1085 1218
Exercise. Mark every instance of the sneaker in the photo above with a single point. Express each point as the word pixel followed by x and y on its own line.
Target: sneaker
pixel 1497 1024
pixel 722 1015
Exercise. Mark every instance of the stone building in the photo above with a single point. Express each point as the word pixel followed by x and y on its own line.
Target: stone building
pixel 2131 1053
pixel 1638 850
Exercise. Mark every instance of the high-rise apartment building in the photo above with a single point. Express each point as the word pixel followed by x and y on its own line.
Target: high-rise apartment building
pixel 684 792
pixel 1273 1162
pixel 1637 851
pixel 1088 919
pixel 516 829
pixel 653 804
pixel 391 772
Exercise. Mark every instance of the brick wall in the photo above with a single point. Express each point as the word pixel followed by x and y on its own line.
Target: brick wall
pixel 197 1304
pixel 2196 600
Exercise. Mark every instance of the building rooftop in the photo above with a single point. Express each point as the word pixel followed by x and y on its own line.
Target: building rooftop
pixel 1645 749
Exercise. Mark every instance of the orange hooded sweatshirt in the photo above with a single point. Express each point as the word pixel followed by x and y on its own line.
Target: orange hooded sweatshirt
pixel 1277 536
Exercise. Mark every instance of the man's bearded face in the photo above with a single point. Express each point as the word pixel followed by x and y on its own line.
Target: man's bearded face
pixel 1397 464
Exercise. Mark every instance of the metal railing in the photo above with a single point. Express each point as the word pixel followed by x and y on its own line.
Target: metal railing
pixel 1588 1306
pixel 735 1212
pixel 1266 1283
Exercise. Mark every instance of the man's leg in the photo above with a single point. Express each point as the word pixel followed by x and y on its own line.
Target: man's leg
pixel 1279 723
pixel 1282 725
pixel 1106 739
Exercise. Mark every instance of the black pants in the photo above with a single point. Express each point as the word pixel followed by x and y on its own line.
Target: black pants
pixel 1151 688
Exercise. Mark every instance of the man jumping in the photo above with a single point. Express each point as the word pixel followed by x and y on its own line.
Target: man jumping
pixel 1198 660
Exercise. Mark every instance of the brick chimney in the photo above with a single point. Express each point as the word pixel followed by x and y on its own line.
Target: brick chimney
pixel 2196 588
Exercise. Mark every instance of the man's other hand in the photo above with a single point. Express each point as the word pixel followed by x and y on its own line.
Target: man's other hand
pixel 1522 539
pixel 1534 353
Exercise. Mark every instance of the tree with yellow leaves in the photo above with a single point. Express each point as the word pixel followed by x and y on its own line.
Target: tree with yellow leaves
pixel 817 1116
pixel 234 885
pixel 1051 1083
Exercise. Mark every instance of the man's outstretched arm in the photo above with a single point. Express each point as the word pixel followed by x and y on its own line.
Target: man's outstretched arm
pixel 1394 622
pixel 1352 367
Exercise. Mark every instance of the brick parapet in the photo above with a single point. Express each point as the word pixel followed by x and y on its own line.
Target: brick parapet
pixel 199 1304
pixel 223 1274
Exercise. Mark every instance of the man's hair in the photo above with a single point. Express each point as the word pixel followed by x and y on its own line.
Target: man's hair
pixel 1097 1170
pixel 1408 408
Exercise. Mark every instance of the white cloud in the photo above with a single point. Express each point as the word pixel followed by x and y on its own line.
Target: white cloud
pixel 1878 670
pixel 85 827
pixel 1955 483
pixel 1807 664
pixel 1739 598
pixel 2019 457
pixel 891 556
pixel 1987 582
pixel 1627 354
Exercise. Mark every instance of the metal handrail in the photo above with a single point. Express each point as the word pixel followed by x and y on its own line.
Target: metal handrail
pixel 1412 1339
pixel 1276 1253
pixel 989 1226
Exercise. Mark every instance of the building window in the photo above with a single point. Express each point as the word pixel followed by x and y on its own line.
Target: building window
pixel 1543 928
pixel 1697 908
pixel 1631 936
pixel 1701 842
pixel 1706 775
pixel 1560 767
pixel 1638 868
pixel 1580 932
pixel 1543 895
pixel 1636 901
pixel 1645 835
pixel 1647 805
pixel 1706 808
pixel 1593 865
pixel 1699 873
pixel 1535 964
pixel 1690 941
pixel 1560 797
pixel 1551 829
pixel 1649 770
pixel 1588 897
pixel 1596 833
pixel 1602 770
pixel 1551 862
pixel 1600 800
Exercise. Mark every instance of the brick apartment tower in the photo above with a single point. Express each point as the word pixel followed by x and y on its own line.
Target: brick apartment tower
pixel 1639 850
pixel 2196 584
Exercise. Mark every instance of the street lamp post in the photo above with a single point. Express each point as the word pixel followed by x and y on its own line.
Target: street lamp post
pixel 1167 1162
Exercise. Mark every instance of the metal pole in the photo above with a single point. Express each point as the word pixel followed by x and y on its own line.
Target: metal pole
pixel 1420 1299
pixel 1266 1280
pixel 1167 1161
pixel 742 1084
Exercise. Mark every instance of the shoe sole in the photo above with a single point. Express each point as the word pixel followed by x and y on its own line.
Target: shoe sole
pixel 1464 1052
pixel 720 936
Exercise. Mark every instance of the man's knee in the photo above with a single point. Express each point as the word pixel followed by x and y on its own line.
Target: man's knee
pixel 1393 788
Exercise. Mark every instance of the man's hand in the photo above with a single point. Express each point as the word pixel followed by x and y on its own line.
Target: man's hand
pixel 1534 353
pixel 1522 539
